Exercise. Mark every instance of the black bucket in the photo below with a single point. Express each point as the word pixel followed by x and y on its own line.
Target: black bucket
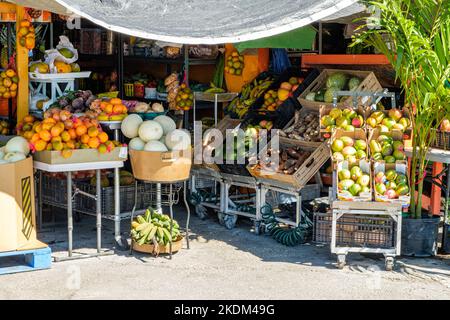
pixel 420 237
pixel 446 238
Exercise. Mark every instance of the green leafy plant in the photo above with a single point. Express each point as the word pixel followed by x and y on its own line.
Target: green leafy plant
pixel 415 37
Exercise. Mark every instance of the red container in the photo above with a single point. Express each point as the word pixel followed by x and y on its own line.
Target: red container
pixel 139 90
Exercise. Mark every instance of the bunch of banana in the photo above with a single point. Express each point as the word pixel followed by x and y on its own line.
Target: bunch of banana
pixel 259 87
pixel 214 89
pixel 153 226
pixel 249 93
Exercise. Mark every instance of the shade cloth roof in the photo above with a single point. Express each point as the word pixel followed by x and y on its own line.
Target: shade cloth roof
pixel 200 21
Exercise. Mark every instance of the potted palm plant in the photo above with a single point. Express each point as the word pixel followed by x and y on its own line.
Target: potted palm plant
pixel 418 47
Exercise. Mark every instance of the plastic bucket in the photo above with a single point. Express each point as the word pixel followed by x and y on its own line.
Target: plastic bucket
pixel 419 237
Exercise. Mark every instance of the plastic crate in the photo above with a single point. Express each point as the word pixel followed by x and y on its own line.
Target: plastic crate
pixel 441 141
pixel 356 230
pixel 88 205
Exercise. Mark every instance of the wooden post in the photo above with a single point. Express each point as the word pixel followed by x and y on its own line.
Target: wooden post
pixel 22 69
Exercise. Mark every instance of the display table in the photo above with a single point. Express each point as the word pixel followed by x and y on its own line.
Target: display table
pixel 68 169
pixel 438 157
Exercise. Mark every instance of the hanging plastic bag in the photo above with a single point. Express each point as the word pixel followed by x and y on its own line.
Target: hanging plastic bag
pixel 64 52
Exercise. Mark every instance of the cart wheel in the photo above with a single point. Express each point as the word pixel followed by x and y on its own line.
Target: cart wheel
pixel 201 212
pixel 389 263
pixel 122 244
pixel 341 261
pixel 221 218
pixel 230 221
pixel 259 227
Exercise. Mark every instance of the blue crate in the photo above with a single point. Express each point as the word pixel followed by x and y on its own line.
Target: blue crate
pixel 26 260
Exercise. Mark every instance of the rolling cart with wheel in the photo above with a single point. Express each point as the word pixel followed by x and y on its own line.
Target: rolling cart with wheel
pixel 204 189
pixel 239 203
pixel 366 227
pixel 279 189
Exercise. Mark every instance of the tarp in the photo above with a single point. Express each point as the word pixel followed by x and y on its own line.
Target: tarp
pixel 301 38
pixel 198 21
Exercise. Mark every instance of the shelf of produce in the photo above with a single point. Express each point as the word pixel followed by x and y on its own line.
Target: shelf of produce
pixel 62 77
pixel 156 60
pixel 211 97
pixel 197 62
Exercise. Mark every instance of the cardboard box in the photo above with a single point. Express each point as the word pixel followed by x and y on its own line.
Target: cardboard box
pixel 325 110
pixel 162 167
pixel 347 196
pixel 396 135
pixel 17 216
pixel 399 167
pixel 405 112
pixel 81 155
pixel 358 134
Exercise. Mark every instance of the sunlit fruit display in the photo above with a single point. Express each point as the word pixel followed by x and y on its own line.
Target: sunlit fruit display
pixel 61 131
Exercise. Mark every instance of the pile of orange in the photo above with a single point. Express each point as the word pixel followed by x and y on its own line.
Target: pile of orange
pixel 8 84
pixel 26 34
pixel 112 110
pixel 60 131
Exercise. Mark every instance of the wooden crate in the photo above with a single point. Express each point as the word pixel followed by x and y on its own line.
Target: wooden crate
pixel 297 142
pixel 369 83
pixel 226 123
pixel 306 171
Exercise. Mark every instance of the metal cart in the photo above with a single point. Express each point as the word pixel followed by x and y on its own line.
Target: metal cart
pixel 360 227
pixel 204 184
pixel 239 204
pixel 277 188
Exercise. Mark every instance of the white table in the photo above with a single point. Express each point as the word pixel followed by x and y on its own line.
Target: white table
pixel 97 166
pixel 59 83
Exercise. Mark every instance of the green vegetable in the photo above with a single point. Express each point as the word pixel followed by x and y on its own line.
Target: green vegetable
pixel 337 80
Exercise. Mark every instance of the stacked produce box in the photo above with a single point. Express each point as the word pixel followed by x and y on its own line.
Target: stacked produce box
pixel 369 161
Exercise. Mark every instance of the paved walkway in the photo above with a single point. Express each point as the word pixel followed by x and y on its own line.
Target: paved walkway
pixel 225 264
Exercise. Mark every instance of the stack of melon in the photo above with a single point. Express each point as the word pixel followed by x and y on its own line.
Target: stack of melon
pixel 16 149
pixel 158 135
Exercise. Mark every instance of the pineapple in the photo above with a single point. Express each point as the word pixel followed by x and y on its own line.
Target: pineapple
pixel 4 52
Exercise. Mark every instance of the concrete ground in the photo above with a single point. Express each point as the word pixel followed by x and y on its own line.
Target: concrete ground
pixel 223 264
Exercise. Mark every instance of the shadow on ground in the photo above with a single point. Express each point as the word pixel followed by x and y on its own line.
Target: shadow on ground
pixel 240 238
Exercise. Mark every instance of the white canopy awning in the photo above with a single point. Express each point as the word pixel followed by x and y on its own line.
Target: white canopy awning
pixel 201 21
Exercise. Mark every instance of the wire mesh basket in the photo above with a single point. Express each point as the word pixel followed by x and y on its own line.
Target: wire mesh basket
pixel 88 205
pixel 53 191
pixel 149 194
pixel 365 231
